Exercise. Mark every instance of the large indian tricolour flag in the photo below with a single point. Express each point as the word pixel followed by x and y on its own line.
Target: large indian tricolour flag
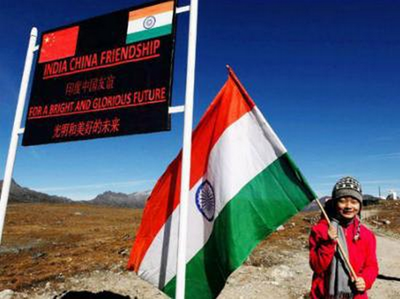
pixel 243 185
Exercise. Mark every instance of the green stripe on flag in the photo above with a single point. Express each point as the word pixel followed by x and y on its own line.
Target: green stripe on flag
pixel 267 201
pixel 147 34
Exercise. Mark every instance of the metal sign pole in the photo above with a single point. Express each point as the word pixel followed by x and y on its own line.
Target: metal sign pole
pixel 17 128
pixel 186 152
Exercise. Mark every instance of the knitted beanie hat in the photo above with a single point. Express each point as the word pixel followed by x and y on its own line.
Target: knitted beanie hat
pixel 347 186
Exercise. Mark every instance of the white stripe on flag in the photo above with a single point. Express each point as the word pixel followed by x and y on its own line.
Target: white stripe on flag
pixel 162 19
pixel 245 149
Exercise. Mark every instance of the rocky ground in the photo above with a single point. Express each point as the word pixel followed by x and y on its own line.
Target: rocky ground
pixel 51 249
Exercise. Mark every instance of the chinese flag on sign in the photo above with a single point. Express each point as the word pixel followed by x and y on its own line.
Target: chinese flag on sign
pixel 59 44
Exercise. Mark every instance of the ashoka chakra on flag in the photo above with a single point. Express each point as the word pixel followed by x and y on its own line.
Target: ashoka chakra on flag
pixel 205 200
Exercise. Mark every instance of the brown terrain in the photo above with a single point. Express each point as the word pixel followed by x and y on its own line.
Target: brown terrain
pixel 51 248
pixel 44 242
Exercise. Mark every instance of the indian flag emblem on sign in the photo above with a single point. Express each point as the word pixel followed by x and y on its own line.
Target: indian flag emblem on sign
pixel 150 22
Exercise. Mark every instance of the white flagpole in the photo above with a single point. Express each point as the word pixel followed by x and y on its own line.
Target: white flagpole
pixel 16 128
pixel 186 152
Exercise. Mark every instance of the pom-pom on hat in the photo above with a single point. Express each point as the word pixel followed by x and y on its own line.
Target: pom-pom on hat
pixel 347 186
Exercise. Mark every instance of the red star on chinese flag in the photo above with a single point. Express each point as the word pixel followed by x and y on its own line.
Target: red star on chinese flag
pixel 59 44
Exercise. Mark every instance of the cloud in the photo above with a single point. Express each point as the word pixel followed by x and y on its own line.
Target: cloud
pixel 365 182
pixel 334 176
pixel 395 155
pixel 36 154
pixel 394 135
pixel 322 192
pixel 95 186
pixel 325 184
pixel 374 182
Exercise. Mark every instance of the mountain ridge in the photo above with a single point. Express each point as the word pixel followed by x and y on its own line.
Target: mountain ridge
pixel 19 194
pixel 119 199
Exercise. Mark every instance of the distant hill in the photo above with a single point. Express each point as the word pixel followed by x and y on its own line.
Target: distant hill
pixel 370 200
pixel 109 198
pixel 20 194
pixel 313 206
pixel 367 200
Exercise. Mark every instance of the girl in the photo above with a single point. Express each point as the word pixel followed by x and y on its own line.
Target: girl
pixel 332 278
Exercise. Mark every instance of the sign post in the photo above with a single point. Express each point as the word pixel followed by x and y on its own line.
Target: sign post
pixel 16 128
pixel 186 152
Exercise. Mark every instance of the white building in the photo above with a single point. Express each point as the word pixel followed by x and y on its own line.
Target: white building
pixel 392 195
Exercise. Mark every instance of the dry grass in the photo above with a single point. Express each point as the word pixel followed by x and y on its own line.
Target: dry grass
pixel 52 241
pixel 386 218
pixel 49 242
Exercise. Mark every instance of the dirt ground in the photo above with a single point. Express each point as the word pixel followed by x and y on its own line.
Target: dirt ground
pixel 48 249
pixel 44 242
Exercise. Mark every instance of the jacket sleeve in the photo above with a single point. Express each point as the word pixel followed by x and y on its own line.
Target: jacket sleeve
pixel 322 249
pixel 370 268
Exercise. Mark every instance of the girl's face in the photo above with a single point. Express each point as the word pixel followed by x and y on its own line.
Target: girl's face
pixel 347 207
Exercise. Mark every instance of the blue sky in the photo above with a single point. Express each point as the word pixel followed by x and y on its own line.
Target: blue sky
pixel 324 73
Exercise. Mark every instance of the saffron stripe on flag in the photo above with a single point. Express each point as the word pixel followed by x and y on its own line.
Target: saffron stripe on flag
pixel 152 10
pixel 164 200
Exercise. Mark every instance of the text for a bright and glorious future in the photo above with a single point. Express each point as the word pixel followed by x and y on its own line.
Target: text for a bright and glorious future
pixel 109 102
